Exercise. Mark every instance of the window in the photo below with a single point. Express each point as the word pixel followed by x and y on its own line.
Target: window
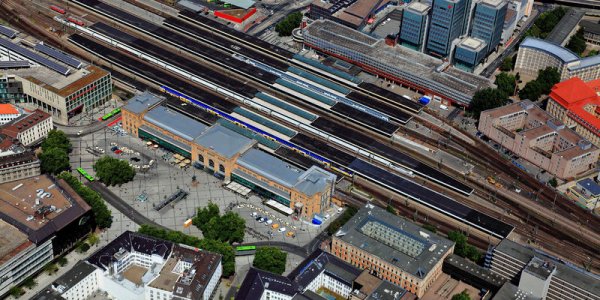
pixel 211 163
pixel 221 168
pixel 201 158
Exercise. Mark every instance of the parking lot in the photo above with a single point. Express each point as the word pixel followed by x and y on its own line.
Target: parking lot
pixel 165 179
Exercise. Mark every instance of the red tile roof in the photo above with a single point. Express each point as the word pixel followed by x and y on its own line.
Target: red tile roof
pixel 574 94
pixel 13 128
pixel 8 109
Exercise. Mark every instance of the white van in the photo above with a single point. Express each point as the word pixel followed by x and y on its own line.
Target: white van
pixel 443 107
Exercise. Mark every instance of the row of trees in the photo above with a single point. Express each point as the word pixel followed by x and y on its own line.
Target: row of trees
pixel 287 25
pixel 55 153
pixel 341 220
pixel 546 22
pixel 113 171
pixel 102 214
pixel 542 85
pixel 225 249
pixel 224 228
pixel 462 248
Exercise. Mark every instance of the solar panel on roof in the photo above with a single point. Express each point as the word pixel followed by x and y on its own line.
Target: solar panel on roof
pixel 14 64
pixel 8 32
pixel 58 55
pixel 34 56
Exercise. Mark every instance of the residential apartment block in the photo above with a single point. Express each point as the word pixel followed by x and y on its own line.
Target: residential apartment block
pixel 19 166
pixel 577 104
pixel 392 249
pixel 138 267
pixel 8 112
pixel 29 129
pixel 536 54
pixel 230 155
pixel 538 276
pixel 531 133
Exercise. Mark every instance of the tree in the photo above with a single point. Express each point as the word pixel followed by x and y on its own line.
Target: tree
pixel 335 225
pixel 54 160
pixel 16 291
pixel 232 228
pixel 226 228
pixel 553 182
pixel 287 25
pixel 577 42
pixel 51 268
pixel 506 83
pixel 62 261
pixel 547 78
pixel 113 171
pixel 270 259
pixel 57 139
pixel 593 53
pixel 430 227
pixel 531 91
pixel 507 64
pixel 83 247
pixel 485 99
pixel 93 239
pixel 461 296
pixel 29 283
pixel 461 248
pixel 204 215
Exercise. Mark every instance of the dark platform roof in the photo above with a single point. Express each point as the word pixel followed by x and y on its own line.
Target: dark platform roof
pixel 130 241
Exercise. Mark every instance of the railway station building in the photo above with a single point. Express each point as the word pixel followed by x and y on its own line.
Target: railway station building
pixel 392 248
pixel 231 156
pixel 536 136
pixel 135 266
pixel 36 80
pixel 40 218
pixel 531 272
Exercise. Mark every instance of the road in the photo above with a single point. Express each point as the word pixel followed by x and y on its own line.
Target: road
pixel 279 11
pixel 491 68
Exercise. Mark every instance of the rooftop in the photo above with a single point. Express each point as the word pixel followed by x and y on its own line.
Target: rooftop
pixel 40 206
pixel 245 4
pixel 319 262
pixel 8 109
pixel 564 54
pixel 539 268
pixel 65 282
pixel 589 26
pixel 256 281
pixel 473 44
pixel 308 182
pixel 416 67
pixel 494 3
pixel 142 102
pixel 192 283
pixel 23 123
pixel 17 159
pixel 224 141
pixel 174 122
pixel 509 291
pixel 574 94
pixel 590 185
pixel 12 241
pixel 470 267
pixel 395 240
pixel 418 7
pixel 61 85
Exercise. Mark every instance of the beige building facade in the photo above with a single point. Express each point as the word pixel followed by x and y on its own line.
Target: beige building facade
pixel 528 131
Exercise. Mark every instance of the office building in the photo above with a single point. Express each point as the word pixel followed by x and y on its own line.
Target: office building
pixel 447 24
pixel 40 218
pixel 29 129
pixel 320 276
pixel 591 31
pixel 415 21
pixel 536 275
pixel 510 24
pixel 138 267
pixel 392 248
pixel 49 84
pixel 586 192
pixel 488 22
pixel 8 112
pixel 534 135
pixel 404 66
pixel 469 53
pixel 231 156
pixel 576 103
pixel 19 166
pixel 536 54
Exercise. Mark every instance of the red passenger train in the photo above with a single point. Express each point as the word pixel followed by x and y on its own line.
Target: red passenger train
pixel 73 20
pixel 57 9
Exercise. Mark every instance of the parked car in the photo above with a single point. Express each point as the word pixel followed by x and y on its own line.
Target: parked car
pixel 282 229
pixel 269 222
pixel 253 214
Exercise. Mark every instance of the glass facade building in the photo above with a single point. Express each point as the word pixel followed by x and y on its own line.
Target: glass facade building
pixel 469 53
pixel 447 23
pixel 488 22
pixel 414 25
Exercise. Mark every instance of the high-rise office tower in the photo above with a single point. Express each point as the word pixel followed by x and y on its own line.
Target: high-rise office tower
pixel 447 22
pixel 488 22
pixel 415 20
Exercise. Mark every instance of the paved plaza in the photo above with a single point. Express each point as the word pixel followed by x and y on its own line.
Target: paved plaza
pixel 164 179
